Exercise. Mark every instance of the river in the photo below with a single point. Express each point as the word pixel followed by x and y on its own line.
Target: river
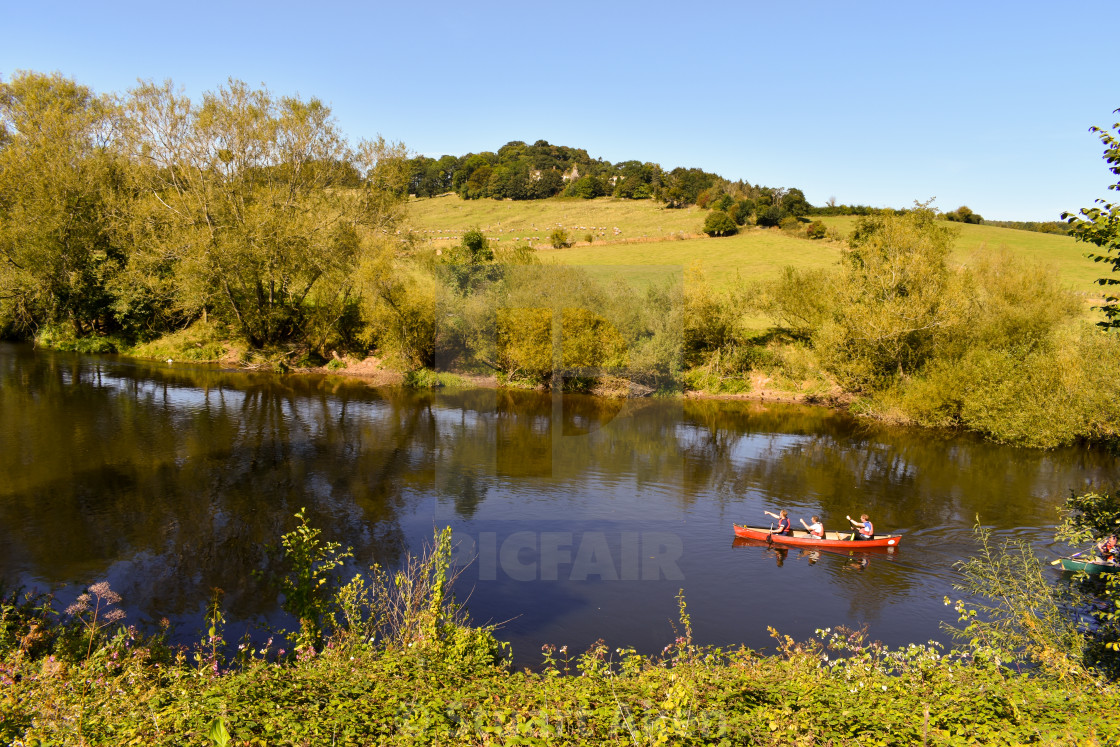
pixel 580 518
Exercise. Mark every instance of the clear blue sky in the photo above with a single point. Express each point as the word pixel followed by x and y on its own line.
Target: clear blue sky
pixel 982 103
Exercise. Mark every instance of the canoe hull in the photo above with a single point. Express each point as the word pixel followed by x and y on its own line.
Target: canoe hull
pixel 804 539
pixel 1093 569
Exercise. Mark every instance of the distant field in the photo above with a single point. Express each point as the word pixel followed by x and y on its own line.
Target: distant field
pixel 643 241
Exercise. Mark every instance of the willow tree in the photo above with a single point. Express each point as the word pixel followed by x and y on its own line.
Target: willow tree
pixel 246 207
pixel 891 299
pixel 57 169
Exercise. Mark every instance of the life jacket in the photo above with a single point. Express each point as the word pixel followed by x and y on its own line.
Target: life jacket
pixel 783 527
pixel 814 533
pixel 868 529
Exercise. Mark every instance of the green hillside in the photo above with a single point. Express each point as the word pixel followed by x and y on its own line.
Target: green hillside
pixel 643 240
pixel 507 221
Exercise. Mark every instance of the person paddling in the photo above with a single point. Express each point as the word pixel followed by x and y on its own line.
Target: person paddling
pixel 863 529
pixel 1108 550
pixel 784 527
pixel 816 529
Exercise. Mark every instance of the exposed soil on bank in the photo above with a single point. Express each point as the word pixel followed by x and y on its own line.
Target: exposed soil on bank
pixel 374 372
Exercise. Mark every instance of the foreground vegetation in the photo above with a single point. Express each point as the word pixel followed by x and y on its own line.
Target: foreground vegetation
pixel 391 659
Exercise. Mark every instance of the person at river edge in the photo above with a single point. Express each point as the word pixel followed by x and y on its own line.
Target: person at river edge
pixel 816 528
pixel 783 522
pixel 864 529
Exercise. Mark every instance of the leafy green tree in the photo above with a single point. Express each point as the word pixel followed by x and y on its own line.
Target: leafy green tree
pixel 417 178
pixel 478 183
pixel 1100 225
pixel 241 193
pixel 719 223
pixel 770 216
pixel 794 203
pixel 545 183
pixel 891 299
pixel 742 211
pixel 964 214
pixel 400 302
pixel 800 300
pixel 524 343
pixel 586 187
pixel 58 175
pixel 476 246
pixel 510 181
pixel 683 186
pixel 636 180
pixel 559 239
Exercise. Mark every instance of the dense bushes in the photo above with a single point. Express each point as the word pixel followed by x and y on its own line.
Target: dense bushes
pixel 989 346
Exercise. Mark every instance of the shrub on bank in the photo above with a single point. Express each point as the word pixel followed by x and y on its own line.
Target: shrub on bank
pixel 62 337
pixel 201 342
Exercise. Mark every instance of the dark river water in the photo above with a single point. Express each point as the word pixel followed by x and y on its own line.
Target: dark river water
pixel 583 517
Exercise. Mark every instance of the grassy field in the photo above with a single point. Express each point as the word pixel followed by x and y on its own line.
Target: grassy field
pixel 1061 252
pixel 443 219
pixel 753 254
pixel 643 241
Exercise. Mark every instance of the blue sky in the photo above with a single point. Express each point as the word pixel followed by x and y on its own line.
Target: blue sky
pixel 984 104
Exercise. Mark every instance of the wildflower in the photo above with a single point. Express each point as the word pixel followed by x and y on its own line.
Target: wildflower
pixel 81 604
pixel 104 593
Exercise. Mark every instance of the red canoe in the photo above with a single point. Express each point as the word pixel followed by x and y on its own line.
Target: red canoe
pixel 801 538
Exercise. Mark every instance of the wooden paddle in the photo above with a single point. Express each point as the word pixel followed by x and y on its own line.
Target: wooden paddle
pixel 1071 557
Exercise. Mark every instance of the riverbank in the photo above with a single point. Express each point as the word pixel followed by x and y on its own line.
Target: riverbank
pixel 373 371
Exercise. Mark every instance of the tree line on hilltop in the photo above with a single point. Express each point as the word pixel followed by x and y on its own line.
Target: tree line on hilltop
pixel 519 171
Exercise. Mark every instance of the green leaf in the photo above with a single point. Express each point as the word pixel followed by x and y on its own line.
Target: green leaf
pixel 217 733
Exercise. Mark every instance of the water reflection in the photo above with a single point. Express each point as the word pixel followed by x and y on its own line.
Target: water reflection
pixel 171 480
